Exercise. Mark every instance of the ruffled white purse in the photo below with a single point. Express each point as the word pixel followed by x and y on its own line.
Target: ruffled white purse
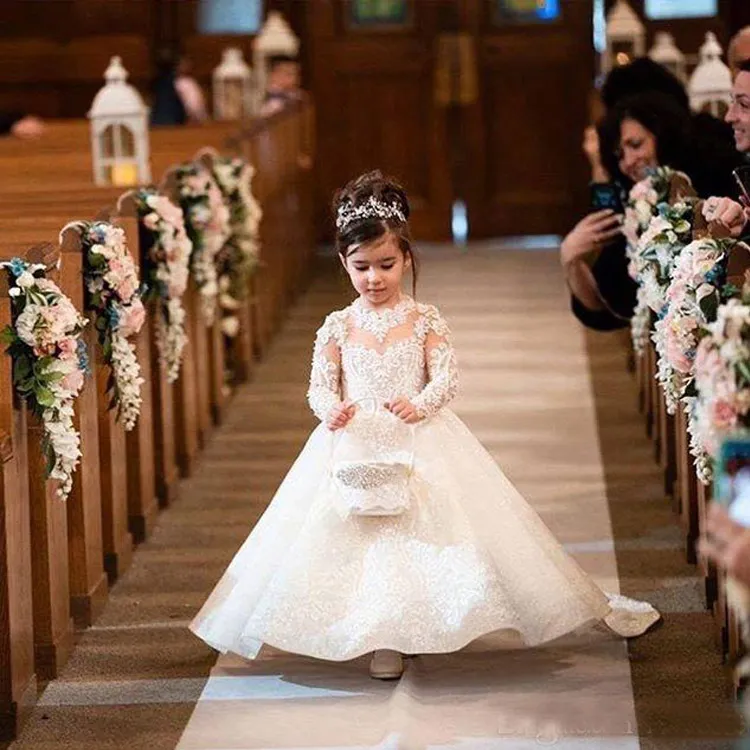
pixel 372 463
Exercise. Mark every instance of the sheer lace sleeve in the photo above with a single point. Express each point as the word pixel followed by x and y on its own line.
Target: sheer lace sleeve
pixel 325 375
pixel 442 369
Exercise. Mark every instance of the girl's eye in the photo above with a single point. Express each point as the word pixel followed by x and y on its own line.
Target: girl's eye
pixel 388 266
pixel 360 268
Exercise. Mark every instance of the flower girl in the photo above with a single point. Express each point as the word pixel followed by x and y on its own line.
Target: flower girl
pixel 395 532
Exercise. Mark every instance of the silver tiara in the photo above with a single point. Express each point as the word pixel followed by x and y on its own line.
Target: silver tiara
pixel 372 208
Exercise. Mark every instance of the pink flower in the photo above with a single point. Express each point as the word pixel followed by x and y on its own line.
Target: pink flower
pixel 126 289
pixel 68 348
pixel 132 318
pixel 73 381
pixel 723 415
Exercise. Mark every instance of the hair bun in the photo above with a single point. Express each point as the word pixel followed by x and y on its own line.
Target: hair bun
pixel 372 185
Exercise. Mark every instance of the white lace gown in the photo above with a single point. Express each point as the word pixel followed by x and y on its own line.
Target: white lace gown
pixel 468 558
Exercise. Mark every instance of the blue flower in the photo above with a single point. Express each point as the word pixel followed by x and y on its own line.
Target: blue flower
pixel 83 356
pixel 113 317
pixel 17 266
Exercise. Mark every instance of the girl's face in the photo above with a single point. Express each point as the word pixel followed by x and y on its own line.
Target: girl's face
pixel 637 152
pixel 376 270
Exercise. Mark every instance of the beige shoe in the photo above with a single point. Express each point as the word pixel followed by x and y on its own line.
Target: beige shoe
pixel 386 665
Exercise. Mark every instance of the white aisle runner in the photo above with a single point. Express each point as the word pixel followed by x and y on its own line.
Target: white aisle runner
pixel 526 394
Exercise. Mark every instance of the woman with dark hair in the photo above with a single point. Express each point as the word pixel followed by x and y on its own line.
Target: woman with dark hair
pixel 638 134
pixel 178 98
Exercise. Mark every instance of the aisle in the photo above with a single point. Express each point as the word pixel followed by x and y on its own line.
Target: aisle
pixel 137 679
pixel 527 394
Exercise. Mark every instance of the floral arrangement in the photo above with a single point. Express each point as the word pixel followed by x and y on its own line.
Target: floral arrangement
pixel 49 363
pixel 207 224
pixel 166 262
pixel 722 378
pixel 693 298
pixel 112 294
pixel 655 233
pixel 239 256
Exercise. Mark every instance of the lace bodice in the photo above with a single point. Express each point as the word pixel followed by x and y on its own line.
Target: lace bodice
pixel 367 354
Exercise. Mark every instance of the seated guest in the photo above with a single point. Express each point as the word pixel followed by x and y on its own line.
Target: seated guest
pixel 178 97
pixel 638 134
pixel 283 84
pixel 21 126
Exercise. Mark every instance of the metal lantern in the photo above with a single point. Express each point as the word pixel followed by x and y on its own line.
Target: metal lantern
pixel 626 37
pixel 275 38
pixel 232 81
pixel 710 86
pixel 666 53
pixel 119 131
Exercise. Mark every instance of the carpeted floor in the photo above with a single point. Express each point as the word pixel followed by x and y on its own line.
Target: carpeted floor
pixel 564 427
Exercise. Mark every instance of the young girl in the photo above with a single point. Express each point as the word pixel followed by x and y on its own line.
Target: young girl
pixel 466 557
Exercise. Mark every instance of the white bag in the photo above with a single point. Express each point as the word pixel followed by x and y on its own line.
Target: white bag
pixel 372 463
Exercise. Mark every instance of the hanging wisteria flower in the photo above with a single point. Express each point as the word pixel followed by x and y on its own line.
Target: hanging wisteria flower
pixel 241 251
pixel 722 378
pixel 112 295
pixel 165 262
pixel 207 224
pixel 49 363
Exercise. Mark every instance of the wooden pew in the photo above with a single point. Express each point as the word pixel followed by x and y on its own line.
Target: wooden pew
pixel 17 672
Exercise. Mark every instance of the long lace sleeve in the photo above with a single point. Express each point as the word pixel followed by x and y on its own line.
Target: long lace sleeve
pixel 325 375
pixel 442 368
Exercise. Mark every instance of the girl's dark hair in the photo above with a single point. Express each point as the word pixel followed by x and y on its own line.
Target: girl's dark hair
pixel 361 231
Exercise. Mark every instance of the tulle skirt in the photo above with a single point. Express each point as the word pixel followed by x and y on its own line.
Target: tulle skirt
pixel 468 558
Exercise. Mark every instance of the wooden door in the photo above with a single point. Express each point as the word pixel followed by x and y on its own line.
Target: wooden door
pixel 504 136
pixel 523 135
pixel 373 85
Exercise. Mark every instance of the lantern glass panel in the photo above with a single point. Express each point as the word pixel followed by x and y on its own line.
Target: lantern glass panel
pixel 127 141
pixel 107 142
pixel 233 99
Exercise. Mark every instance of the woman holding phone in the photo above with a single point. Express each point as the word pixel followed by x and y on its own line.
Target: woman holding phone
pixel 639 134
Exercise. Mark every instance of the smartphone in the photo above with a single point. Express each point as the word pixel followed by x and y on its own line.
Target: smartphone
pixel 732 478
pixel 742 178
pixel 606 195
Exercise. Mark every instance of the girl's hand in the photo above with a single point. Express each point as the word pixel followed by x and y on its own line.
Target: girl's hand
pixel 727 543
pixel 340 416
pixel 403 409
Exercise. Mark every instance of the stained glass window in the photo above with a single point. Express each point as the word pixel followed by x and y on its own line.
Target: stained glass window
pixel 230 16
pixel 528 10
pixel 379 12
pixel 680 8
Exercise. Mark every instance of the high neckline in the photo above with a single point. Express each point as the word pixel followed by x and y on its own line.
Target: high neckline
pixel 379 321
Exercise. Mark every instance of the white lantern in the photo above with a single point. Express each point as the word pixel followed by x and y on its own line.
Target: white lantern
pixel 710 86
pixel 666 53
pixel 275 38
pixel 232 86
pixel 119 131
pixel 626 37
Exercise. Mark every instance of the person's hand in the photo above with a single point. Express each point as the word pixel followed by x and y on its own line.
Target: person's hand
pixel 589 234
pixel 403 409
pixel 340 416
pixel 726 212
pixel 727 543
pixel 27 128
